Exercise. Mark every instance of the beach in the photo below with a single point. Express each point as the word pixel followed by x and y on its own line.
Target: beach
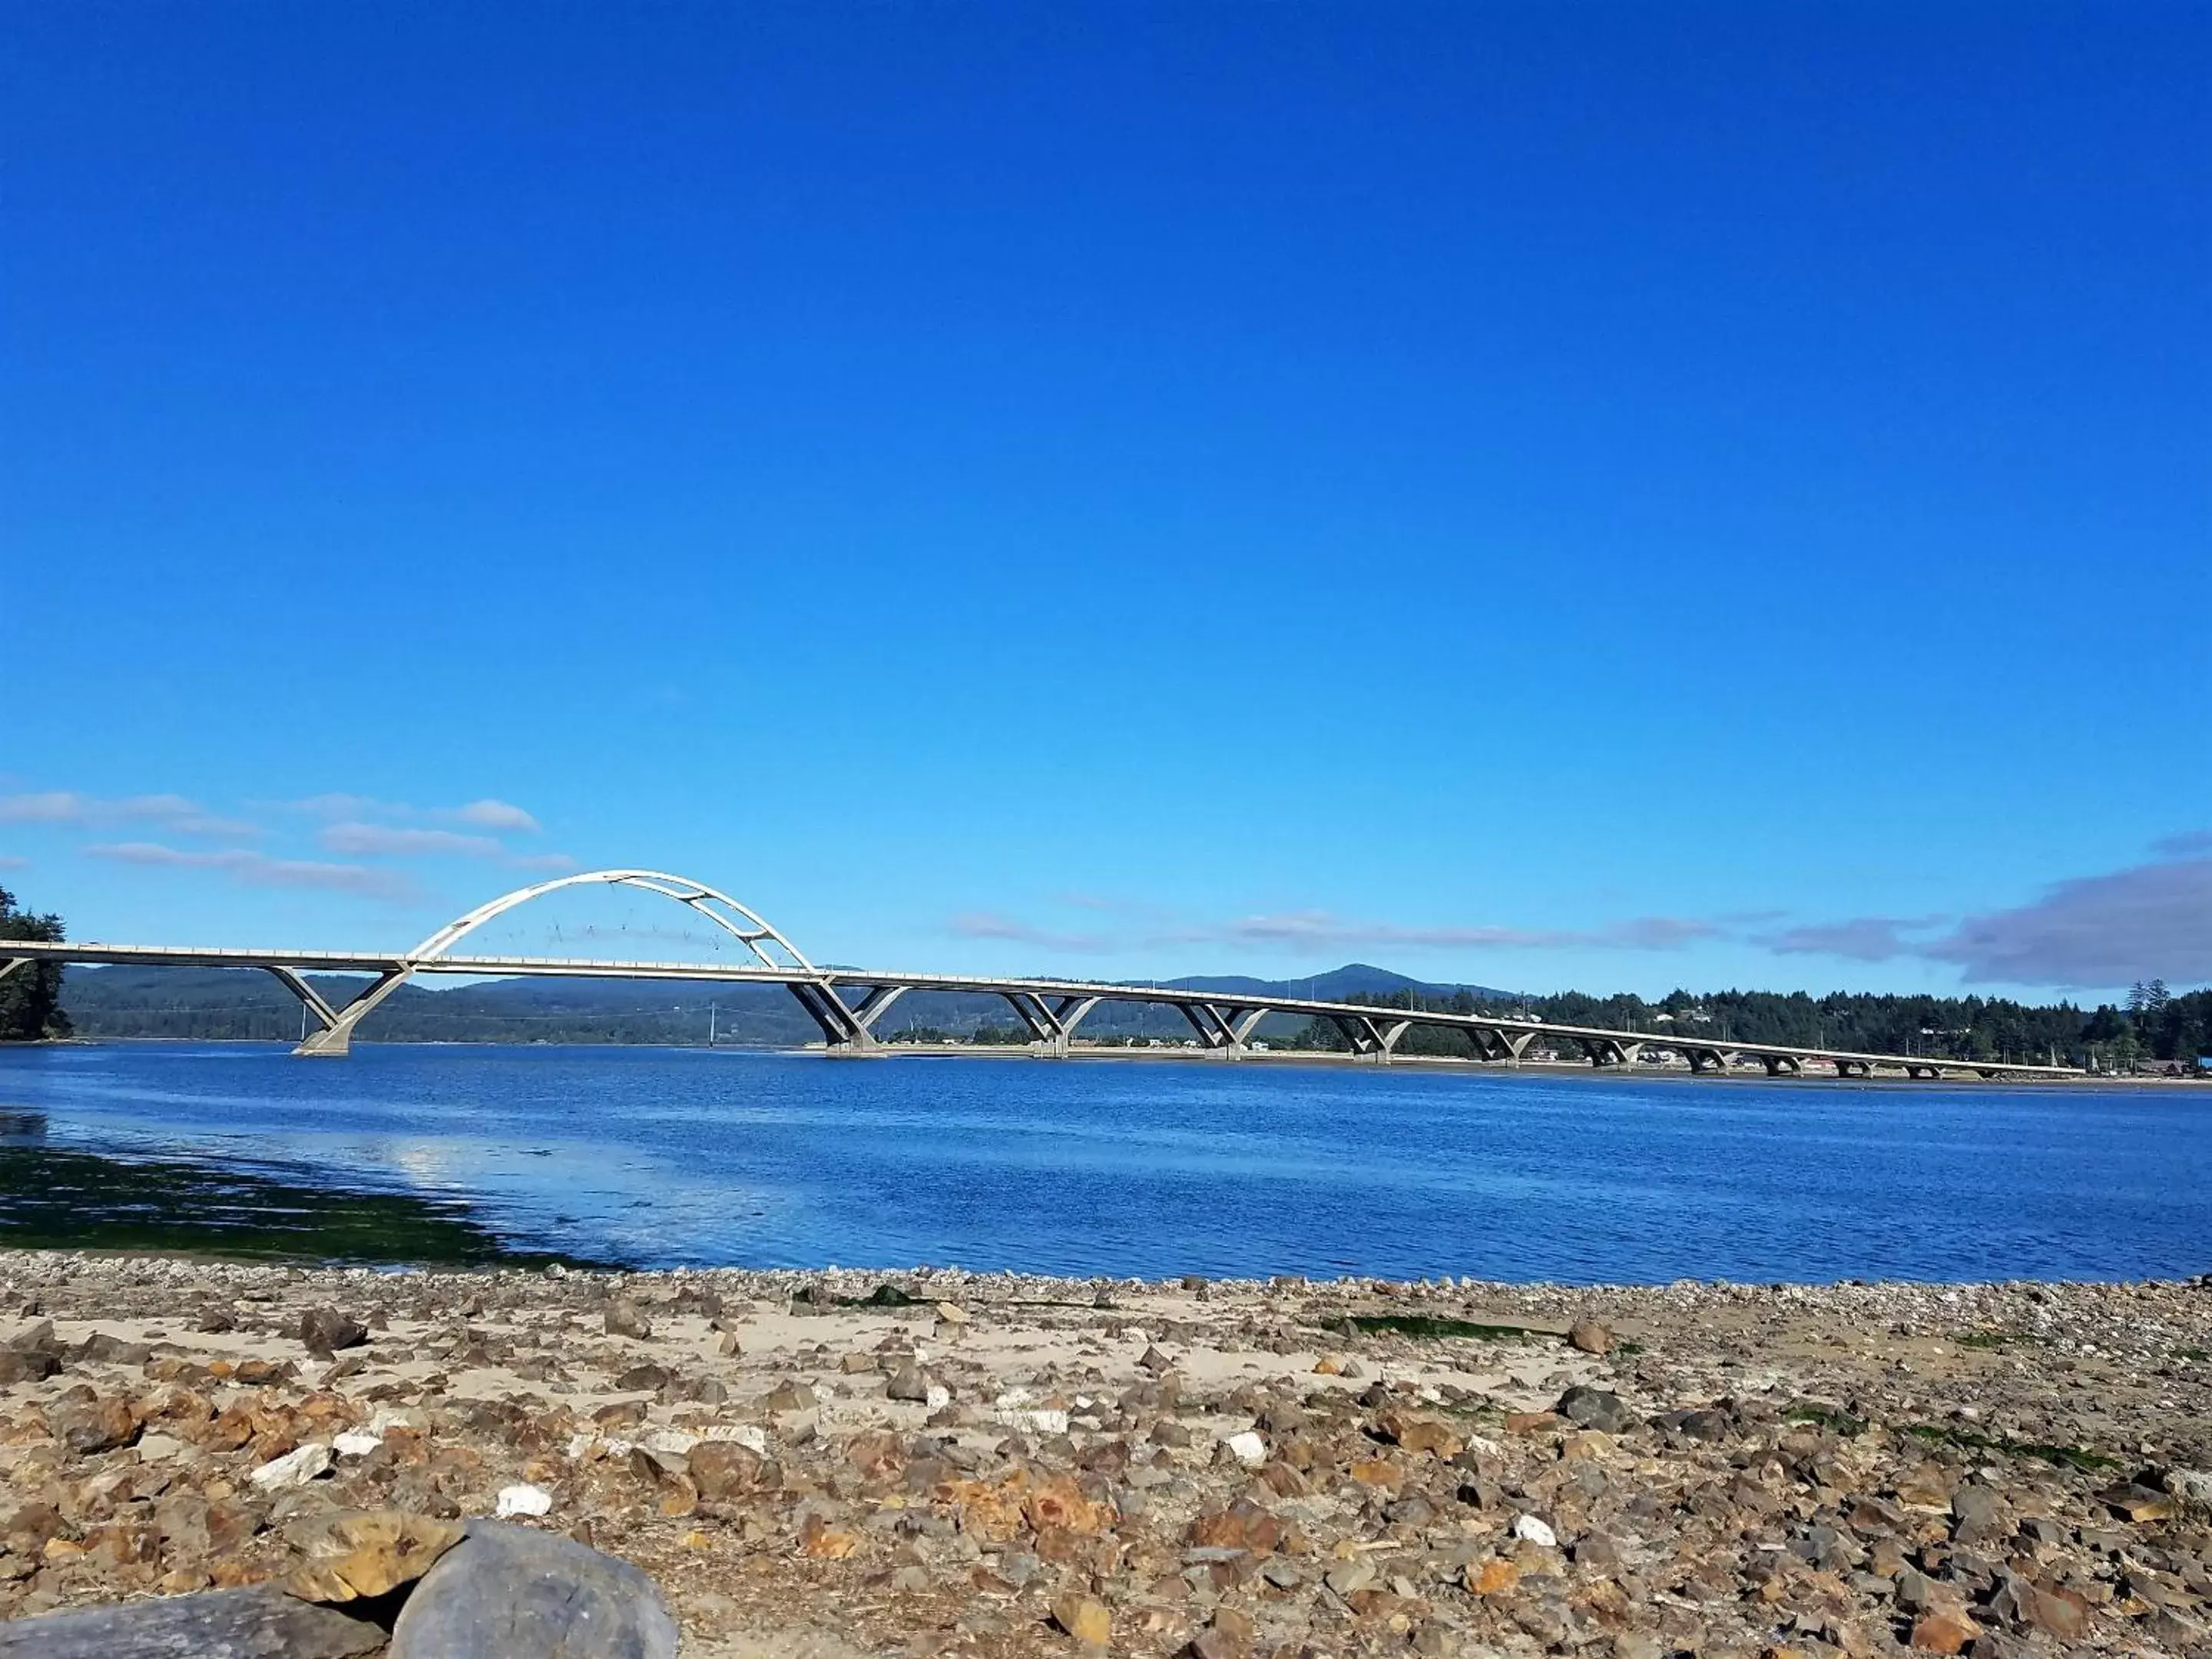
pixel 940 1462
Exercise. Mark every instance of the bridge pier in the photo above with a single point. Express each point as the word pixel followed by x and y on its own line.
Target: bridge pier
pixel 1709 1060
pixel 1776 1065
pixel 334 1041
pixel 1612 1051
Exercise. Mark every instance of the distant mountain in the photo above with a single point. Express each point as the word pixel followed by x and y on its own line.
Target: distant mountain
pixel 1338 985
pixel 244 1004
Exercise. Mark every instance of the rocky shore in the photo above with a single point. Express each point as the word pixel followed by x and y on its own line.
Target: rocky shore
pixel 941 1462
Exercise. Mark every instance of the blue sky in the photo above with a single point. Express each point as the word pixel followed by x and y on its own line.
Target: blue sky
pixel 1553 494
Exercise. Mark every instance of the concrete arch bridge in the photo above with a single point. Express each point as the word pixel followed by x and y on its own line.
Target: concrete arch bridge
pixel 848 1004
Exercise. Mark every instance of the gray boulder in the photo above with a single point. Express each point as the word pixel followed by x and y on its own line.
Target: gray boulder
pixel 506 1590
pixel 258 1623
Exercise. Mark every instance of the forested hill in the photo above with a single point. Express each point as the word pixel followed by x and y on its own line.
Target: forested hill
pixel 215 1004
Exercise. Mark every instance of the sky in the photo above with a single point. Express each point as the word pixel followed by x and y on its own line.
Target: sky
pixel 1549 495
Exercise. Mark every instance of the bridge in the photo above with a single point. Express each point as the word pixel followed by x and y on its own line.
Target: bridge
pixel 848 1004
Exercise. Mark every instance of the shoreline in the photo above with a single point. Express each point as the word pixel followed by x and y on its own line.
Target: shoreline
pixel 812 1464
pixel 1319 1058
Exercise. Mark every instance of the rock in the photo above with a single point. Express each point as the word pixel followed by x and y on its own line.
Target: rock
pixel 1590 1337
pixel 295 1468
pixel 909 1384
pixel 724 1469
pixel 506 1590
pixel 952 1312
pixel 1419 1434
pixel 261 1622
pixel 1595 1408
pixel 1978 1515
pixel 623 1319
pixel 1154 1361
pixel 25 1365
pixel 354 1443
pixel 522 1499
pixel 1537 1532
pixel 369 1554
pixel 1086 1621
pixel 1945 1629
pixel 323 1331
pixel 1248 1449
pixel 1350 1577
pixel 2192 1486
pixel 90 1426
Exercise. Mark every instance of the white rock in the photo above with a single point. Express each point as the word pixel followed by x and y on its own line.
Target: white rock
pixel 354 1443
pixel 1012 1398
pixel 1041 1420
pixel 294 1468
pixel 1534 1531
pixel 940 1396
pixel 751 1435
pixel 522 1500
pixel 389 1417
pixel 674 1442
pixel 1484 1444
pixel 1249 1447
pixel 158 1448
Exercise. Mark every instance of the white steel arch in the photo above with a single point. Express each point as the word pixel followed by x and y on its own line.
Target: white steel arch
pixel 814 992
pixel 747 926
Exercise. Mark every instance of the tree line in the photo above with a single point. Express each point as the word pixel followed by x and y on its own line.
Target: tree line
pixel 2154 1024
pixel 30 996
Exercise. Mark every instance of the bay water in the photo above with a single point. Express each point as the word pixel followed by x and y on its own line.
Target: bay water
pixel 662 1157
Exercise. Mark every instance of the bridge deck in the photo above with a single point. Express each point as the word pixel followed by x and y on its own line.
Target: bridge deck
pixel 386 965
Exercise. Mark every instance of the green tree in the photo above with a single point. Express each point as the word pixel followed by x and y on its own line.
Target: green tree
pixel 30 996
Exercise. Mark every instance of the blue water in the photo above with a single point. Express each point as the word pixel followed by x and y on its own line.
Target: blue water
pixel 666 1157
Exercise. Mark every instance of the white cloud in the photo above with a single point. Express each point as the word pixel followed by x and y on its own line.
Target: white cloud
pixel 358 839
pixel 496 815
pixel 66 809
pixel 251 869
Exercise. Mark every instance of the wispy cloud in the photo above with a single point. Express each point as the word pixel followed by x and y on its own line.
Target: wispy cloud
pixel 1321 930
pixel 251 869
pixel 2150 921
pixel 983 924
pixel 496 815
pixel 358 839
pixel 66 809
pixel 503 817
pixel 1862 938
pixel 10 861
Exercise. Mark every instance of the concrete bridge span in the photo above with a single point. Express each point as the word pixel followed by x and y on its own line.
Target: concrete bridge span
pixel 847 1005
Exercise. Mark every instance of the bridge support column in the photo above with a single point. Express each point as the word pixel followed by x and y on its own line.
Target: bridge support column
pixel 1495 1043
pixel 1853 1068
pixel 11 965
pixel 1052 1022
pixel 335 1040
pixel 1929 1074
pixel 1780 1064
pixel 1608 1052
pixel 843 1036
